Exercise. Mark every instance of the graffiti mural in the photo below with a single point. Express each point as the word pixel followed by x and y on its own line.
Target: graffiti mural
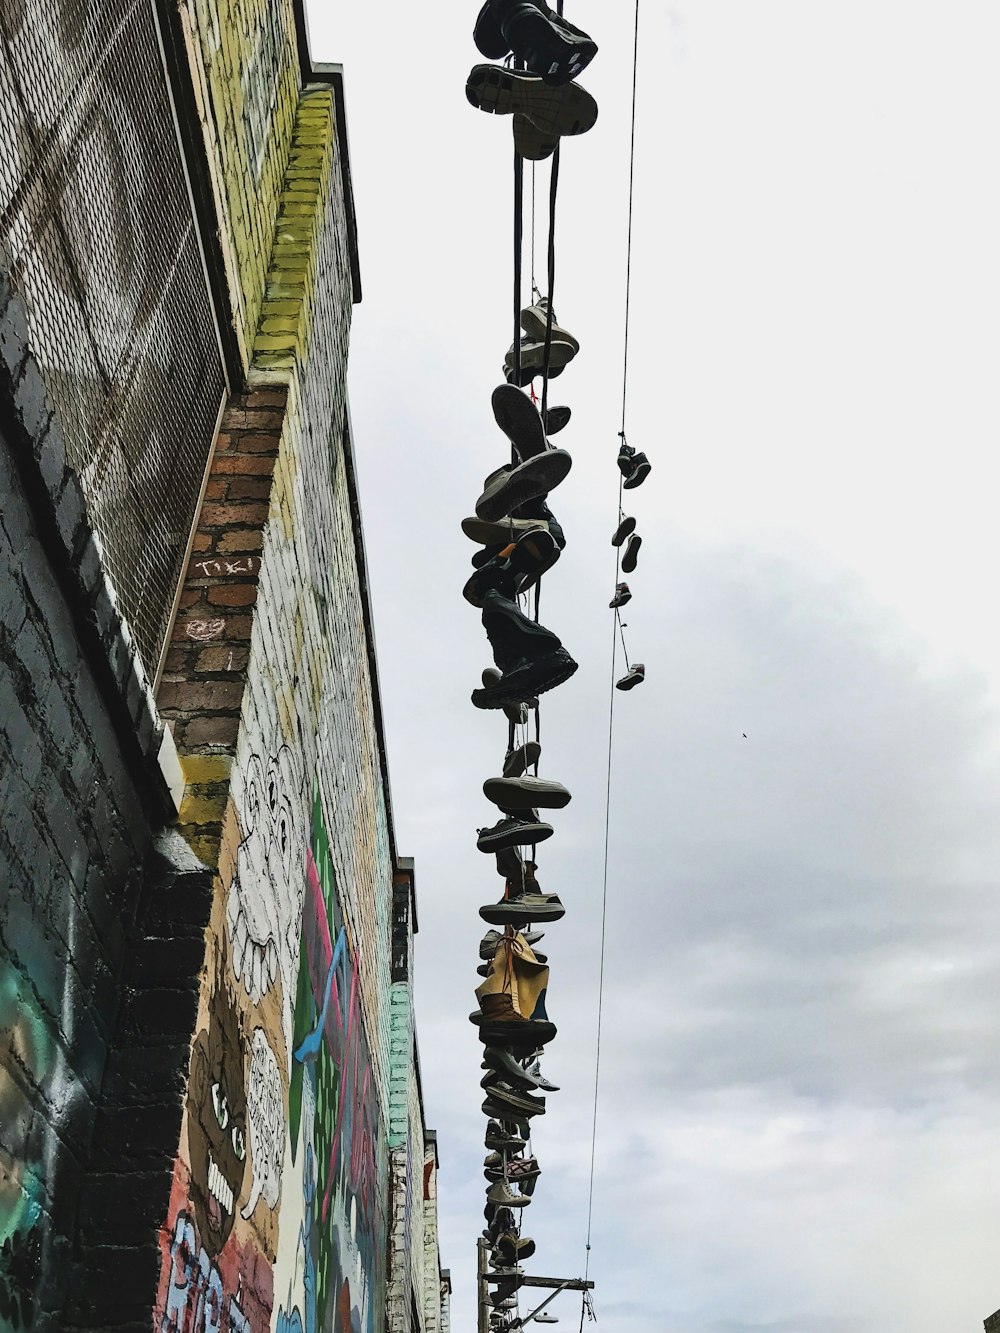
pixel 330 1273
pixel 275 1126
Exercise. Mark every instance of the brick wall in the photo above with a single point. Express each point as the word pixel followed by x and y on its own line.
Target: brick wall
pixel 101 911
pixel 245 72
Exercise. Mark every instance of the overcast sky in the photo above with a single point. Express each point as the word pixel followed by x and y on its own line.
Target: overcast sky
pixel 799 1123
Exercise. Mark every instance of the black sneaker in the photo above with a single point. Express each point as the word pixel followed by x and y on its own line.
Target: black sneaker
pixel 508 487
pixel 555 419
pixel 513 570
pixel 488 35
pixel 537 511
pixel 561 111
pixel 550 46
pixel 531 658
pixel 526 793
pixel 624 529
pixel 631 555
pixel 514 831
pixel 638 472
pixel 525 907
pixel 519 419
pixel 520 759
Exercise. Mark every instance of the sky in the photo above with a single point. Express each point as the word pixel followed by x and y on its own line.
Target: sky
pixel 799 1107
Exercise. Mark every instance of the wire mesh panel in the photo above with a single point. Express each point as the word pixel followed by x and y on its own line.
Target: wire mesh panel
pixel 96 218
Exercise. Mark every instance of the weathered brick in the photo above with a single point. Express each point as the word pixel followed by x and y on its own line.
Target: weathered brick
pixel 200 696
pixel 240 540
pixel 232 594
pixel 211 731
pixel 245 464
pixel 223 515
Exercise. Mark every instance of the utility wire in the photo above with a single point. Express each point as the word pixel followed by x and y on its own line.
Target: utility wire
pixel 616 630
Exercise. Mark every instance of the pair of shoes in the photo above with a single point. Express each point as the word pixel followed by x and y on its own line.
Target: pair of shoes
pixel 635 468
pixel 550 46
pixel 626 531
pixel 517 909
pixel 539 322
pixel 544 114
pixel 530 657
pixel 633 677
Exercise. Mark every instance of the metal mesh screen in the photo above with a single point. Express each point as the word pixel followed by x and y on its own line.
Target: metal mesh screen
pixel 96 218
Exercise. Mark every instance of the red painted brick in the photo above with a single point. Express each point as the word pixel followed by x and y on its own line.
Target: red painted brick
pixel 253 419
pixel 216 488
pixel 232 594
pixel 203 541
pixel 259 444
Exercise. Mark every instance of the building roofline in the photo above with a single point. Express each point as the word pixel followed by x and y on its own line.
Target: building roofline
pixel 313 72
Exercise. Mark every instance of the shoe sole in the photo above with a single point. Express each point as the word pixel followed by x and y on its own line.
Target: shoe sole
pixel 506 913
pixel 529 141
pixel 523 793
pixel 625 529
pixel 560 667
pixel 616 605
pixel 519 419
pixel 501 533
pixel 561 353
pixel 523 836
pixel 562 111
pixel 536 477
pixel 631 557
pixel 621 685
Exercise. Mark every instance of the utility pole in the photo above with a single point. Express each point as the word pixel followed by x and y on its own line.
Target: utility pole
pixel 485 1277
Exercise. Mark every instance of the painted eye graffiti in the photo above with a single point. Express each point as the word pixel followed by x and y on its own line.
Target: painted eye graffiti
pixel 239 1143
pixel 220 1105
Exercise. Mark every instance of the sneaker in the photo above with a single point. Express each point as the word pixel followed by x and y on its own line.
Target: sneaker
pixel 508 487
pixel 531 360
pixel 504 1063
pixel 531 658
pixel 492 940
pixel 631 555
pixel 635 468
pixel 555 418
pixel 501 533
pixel 535 321
pixel 533 1072
pixel 507 1095
pixel 549 44
pixel 633 677
pixel 484 969
pixel 539 511
pixel 501 1194
pixel 569 110
pixel 524 908
pixel 624 529
pixel 519 419
pixel 488 35
pixel 521 758
pixel 524 830
pixel 530 142
pixel 546 1318
pixel 516 713
pixel 622 595
pixel 501 1142
pixel 514 568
